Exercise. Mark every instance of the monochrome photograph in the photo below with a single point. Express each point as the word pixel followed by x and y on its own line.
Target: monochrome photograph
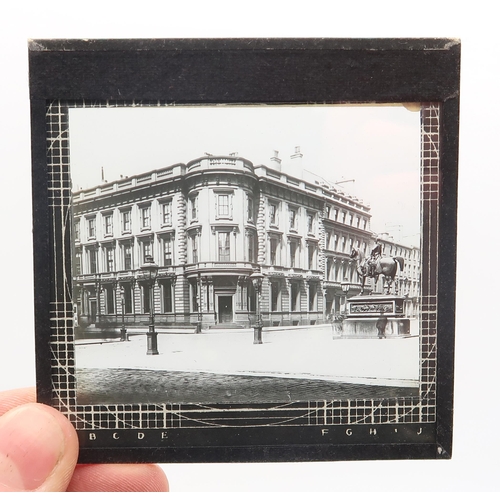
pixel 238 254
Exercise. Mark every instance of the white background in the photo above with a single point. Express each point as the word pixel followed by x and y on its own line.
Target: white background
pixel 477 415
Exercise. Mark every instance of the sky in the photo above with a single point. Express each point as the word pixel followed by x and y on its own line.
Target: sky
pixel 375 148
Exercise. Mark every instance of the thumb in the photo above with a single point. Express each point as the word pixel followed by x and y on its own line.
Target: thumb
pixel 38 449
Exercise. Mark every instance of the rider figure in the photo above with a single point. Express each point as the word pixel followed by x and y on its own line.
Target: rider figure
pixel 375 254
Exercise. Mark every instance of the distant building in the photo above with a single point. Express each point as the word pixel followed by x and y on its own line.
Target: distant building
pixel 209 224
pixel 407 281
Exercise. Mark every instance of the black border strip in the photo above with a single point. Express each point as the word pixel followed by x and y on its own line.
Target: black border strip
pixel 246 71
pixel 447 274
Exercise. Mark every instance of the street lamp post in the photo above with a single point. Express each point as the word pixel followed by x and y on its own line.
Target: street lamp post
pixel 123 330
pixel 257 278
pixel 325 312
pixel 151 271
pixel 345 285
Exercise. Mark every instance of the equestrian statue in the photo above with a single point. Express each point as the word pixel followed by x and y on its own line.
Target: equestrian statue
pixel 376 265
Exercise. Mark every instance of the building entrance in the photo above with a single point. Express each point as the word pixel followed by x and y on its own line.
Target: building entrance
pixel 225 308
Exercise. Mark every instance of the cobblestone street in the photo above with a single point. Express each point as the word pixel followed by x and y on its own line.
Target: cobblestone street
pixel 108 386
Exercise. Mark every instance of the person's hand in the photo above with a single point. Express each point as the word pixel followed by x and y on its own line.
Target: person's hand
pixel 39 450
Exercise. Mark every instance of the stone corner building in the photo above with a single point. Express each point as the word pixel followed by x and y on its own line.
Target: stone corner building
pixel 209 225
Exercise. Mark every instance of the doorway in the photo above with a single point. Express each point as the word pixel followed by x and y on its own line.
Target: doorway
pixel 225 308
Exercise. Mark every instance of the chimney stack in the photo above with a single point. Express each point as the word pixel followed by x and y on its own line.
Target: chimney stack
pixel 297 156
pixel 296 162
pixel 275 161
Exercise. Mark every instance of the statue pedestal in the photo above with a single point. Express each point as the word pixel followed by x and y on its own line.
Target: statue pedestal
pixel 375 316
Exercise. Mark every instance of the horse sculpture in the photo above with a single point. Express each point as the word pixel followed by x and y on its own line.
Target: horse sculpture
pixel 387 266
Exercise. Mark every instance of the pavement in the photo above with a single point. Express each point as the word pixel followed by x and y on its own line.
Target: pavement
pixel 307 353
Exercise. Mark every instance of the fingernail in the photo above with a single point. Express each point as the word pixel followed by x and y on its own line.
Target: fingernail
pixel 31 444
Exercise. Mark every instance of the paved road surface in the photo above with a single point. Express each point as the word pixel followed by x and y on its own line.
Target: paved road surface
pixel 304 353
pixel 118 385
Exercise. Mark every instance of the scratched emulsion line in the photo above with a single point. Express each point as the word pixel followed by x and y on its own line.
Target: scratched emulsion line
pixel 188 416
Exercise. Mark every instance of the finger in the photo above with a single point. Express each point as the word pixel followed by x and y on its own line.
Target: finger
pixel 118 477
pixel 16 397
pixel 38 449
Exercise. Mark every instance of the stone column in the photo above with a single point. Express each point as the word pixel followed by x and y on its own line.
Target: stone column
pixel 261 231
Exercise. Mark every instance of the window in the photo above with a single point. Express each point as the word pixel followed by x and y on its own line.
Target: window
pixel 223 205
pixel 327 211
pixel 310 223
pixel 91 228
pixel 335 213
pixel 358 220
pixel 166 289
pixel 340 272
pixel 146 299
pixel 251 297
pixel 250 209
pixel 193 204
pixel 127 257
pixel 313 303
pixel 328 240
pixel 110 300
pixel 273 214
pixel 273 251
pixel 275 295
pixel 146 217
pixel 147 249
pixel 344 217
pixel 92 260
pixel 127 299
pixel 329 265
pixel 194 248
pixel 293 253
pixel 108 224
pixel 343 244
pixel 77 230
pixel 295 296
pixel 293 218
pixel 242 298
pixel 110 259
pixel 126 222
pixel 335 241
pixel 364 223
pixel 166 213
pixel 351 219
pixel 224 247
pixel 78 263
pixel 194 297
pixel 167 252
pixel 251 247
pixel 311 256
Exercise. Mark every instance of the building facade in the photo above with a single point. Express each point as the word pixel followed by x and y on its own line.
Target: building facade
pixel 209 224
pixel 407 282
